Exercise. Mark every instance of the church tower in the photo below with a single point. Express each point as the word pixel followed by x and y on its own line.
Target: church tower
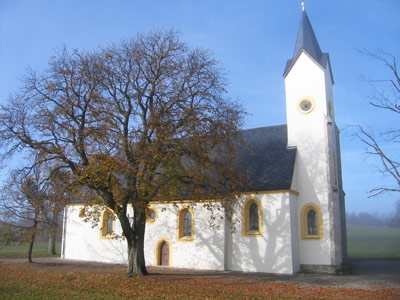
pixel 317 178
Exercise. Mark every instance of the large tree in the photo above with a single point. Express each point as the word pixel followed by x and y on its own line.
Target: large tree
pixel 386 96
pixel 146 119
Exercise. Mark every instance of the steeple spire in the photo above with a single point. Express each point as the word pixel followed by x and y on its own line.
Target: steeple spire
pixel 306 39
pixel 307 42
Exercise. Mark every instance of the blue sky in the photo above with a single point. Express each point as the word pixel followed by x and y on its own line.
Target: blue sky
pixel 252 38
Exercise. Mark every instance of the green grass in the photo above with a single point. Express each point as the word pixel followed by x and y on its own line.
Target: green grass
pixel 373 242
pixel 39 250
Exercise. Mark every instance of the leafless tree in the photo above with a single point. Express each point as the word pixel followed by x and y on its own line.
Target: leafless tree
pixel 23 205
pixel 386 96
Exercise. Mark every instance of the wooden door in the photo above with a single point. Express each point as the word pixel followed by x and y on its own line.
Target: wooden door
pixel 164 254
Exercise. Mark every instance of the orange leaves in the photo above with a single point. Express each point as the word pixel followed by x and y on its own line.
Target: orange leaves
pixel 22 281
pixel 101 172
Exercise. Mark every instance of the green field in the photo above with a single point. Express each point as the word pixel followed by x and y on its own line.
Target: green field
pixel 39 250
pixel 373 242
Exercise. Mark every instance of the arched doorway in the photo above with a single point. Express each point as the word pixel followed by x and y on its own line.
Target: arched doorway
pixel 164 254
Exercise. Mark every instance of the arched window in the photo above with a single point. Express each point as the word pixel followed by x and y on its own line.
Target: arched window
pixel 185 226
pixel 253 217
pixel 311 222
pixel 107 224
pixel 252 222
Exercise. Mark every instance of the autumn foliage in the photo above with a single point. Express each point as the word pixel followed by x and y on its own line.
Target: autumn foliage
pixel 147 119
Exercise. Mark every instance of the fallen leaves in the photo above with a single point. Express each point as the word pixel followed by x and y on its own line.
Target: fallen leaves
pixel 26 281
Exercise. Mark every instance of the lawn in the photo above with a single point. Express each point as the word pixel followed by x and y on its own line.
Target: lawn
pixel 33 281
pixel 373 242
pixel 30 281
pixel 39 250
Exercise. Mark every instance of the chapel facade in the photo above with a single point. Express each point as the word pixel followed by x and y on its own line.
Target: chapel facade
pixel 292 214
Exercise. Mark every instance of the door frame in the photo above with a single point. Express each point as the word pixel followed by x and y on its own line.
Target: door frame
pixel 157 252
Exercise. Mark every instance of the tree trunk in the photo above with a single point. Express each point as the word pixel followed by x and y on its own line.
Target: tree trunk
pixel 135 240
pixel 52 244
pixel 136 262
pixel 32 241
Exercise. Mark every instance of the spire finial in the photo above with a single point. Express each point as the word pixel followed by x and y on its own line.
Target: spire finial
pixel 303 5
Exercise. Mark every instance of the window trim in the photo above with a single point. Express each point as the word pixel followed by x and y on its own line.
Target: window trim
pixel 246 232
pixel 304 222
pixel 148 219
pixel 307 98
pixel 181 223
pixel 103 229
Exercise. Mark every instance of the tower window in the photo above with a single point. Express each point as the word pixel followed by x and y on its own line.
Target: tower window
pixel 306 105
pixel 311 222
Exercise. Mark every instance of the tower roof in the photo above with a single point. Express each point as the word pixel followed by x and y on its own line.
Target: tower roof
pixel 307 42
pixel 306 39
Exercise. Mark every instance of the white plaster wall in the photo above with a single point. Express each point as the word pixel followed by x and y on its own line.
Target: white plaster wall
pixel 213 248
pixel 294 223
pixel 206 251
pixel 308 133
pixel 305 79
pixel 313 189
pixel 272 252
pixel 82 242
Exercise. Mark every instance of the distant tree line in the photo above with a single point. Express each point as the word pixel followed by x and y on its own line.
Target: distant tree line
pixel 365 218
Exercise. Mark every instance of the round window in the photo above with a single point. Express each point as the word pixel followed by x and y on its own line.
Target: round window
pixel 151 215
pixel 306 105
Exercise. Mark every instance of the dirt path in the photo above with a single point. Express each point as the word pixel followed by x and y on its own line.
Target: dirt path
pixel 364 275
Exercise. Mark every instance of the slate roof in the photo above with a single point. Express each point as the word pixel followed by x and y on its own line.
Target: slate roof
pixel 307 41
pixel 266 159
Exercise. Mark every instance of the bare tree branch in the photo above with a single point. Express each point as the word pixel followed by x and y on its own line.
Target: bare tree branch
pixel 390 164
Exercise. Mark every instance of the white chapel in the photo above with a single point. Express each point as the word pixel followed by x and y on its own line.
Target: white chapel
pixel 292 213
